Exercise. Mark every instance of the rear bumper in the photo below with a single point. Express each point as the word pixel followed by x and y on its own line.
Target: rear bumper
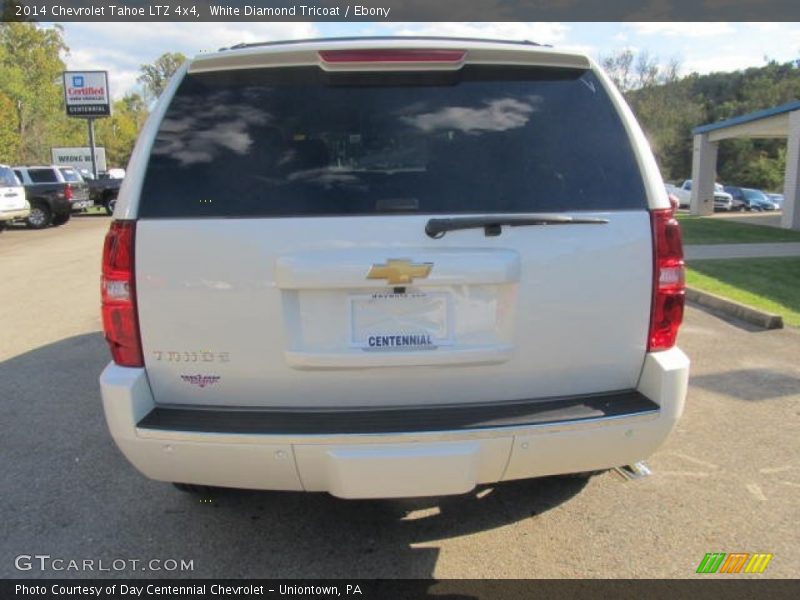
pixel 17 213
pixel 79 205
pixel 384 455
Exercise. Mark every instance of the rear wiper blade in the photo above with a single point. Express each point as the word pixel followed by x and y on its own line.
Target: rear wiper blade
pixel 492 225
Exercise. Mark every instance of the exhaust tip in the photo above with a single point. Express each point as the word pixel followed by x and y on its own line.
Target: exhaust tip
pixel 637 470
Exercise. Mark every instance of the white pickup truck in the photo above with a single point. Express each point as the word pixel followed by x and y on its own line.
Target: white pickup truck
pixel 391 267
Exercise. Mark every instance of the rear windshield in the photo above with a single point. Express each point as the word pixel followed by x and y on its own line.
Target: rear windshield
pixel 71 175
pixel 7 178
pixel 302 142
pixel 42 175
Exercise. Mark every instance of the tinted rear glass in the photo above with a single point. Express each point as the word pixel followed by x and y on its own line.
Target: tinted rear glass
pixel 299 141
pixel 7 178
pixel 71 175
pixel 42 175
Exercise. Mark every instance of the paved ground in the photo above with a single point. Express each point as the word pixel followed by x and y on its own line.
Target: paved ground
pixel 727 480
pixel 721 251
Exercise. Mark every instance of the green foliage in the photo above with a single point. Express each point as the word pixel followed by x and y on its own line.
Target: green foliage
pixel 155 77
pixel 670 107
pixel 32 117
pixel 118 133
pixel 31 66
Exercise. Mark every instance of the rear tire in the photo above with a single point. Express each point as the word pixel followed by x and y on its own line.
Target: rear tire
pixel 40 216
pixel 2 226
pixel 61 219
pixel 109 206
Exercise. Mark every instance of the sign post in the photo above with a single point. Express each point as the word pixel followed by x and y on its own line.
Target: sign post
pixel 90 120
pixel 86 96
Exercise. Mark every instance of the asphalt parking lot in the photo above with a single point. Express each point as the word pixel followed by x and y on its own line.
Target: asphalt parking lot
pixel 728 480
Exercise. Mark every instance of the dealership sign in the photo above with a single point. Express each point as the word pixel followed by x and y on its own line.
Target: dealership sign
pixel 80 158
pixel 86 93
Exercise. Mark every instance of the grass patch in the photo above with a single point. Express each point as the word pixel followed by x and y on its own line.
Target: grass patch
pixel 769 284
pixel 707 230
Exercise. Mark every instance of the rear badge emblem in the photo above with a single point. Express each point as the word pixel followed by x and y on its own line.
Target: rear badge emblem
pixel 201 380
pixel 400 271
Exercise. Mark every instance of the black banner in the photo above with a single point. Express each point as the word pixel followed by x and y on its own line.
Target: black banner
pixel 406 589
pixel 398 10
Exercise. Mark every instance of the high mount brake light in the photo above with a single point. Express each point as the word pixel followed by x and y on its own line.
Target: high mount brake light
pixel 394 55
pixel 669 287
pixel 118 293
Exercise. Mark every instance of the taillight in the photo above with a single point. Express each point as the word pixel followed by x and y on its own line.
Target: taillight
pixel 67 191
pixel 669 287
pixel 392 56
pixel 118 292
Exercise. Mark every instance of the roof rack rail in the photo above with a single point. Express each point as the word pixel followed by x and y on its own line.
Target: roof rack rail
pixel 382 38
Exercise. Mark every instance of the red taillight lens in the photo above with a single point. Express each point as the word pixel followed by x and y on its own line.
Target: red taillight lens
pixel 391 56
pixel 67 191
pixel 118 292
pixel 668 281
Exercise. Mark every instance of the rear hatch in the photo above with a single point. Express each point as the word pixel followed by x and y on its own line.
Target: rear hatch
pixel 282 258
pixel 12 194
pixel 80 189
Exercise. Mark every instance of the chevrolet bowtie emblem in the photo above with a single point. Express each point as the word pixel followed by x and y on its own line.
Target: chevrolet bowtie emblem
pixel 399 271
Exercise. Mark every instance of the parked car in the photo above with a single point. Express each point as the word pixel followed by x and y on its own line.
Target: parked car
pixel 776 199
pixel 104 189
pixel 13 204
pixel 684 197
pixel 722 199
pixel 750 199
pixel 470 309
pixel 54 192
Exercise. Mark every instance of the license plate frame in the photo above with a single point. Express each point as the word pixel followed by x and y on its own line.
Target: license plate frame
pixel 437 306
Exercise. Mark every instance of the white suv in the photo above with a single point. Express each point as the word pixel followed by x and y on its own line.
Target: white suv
pixel 13 204
pixel 391 267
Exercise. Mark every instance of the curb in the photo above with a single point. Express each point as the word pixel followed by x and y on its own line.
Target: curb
pixel 735 309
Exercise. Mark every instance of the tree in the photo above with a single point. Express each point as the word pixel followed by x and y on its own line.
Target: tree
pixel 155 77
pixel 9 138
pixel 619 68
pixel 118 133
pixel 31 66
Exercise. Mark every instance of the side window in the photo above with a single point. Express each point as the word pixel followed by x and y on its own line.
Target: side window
pixel 18 173
pixel 43 175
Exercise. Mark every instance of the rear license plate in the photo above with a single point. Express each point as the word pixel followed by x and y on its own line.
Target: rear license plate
pixel 387 321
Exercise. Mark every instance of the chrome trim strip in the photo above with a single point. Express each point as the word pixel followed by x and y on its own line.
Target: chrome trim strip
pixel 388 438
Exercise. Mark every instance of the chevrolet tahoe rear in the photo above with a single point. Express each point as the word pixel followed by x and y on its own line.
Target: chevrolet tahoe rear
pixel 391 267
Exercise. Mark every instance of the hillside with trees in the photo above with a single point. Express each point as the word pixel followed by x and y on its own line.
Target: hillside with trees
pixel 669 107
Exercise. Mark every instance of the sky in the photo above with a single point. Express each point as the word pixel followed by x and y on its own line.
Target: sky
pixel 121 48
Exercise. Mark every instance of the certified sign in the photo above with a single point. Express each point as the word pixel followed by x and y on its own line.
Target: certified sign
pixel 86 93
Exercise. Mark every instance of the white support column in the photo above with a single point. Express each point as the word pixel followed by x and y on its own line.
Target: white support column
pixel 704 171
pixel 791 185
